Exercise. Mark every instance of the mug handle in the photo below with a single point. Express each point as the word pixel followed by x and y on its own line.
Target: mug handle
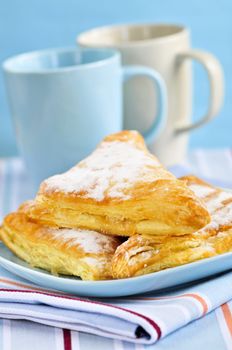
pixel 216 79
pixel 159 121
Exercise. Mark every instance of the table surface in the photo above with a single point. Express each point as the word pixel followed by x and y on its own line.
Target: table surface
pixel 209 332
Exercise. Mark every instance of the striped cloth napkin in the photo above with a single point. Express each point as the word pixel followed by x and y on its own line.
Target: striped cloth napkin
pixel 139 319
pixel 122 323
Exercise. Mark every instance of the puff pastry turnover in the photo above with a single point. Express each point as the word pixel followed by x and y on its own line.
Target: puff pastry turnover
pixel 82 253
pixel 141 255
pixel 120 189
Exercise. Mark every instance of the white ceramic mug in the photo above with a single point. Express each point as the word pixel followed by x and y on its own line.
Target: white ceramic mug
pixel 165 48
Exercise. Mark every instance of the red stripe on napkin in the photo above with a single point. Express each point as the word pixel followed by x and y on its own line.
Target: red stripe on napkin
pixel 149 320
pixel 67 339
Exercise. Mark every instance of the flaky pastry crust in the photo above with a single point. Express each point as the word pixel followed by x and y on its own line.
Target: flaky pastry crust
pixel 120 189
pixel 140 254
pixel 86 254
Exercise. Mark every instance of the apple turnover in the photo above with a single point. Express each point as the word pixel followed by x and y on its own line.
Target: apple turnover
pixel 141 254
pixel 76 252
pixel 120 189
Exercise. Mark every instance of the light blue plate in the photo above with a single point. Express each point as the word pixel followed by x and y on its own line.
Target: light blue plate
pixel 115 288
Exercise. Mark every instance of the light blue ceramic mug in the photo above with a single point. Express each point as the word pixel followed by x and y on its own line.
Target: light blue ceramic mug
pixel 64 101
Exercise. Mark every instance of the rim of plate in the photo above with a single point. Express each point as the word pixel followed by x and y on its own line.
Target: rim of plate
pixel 48 275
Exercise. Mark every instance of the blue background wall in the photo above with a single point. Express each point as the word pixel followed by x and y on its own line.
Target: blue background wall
pixel 29 24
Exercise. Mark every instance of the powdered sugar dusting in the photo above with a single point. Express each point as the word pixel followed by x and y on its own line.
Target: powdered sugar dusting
pixel 110 171
pixel 220 209
pixel 221 217
pixel 219 205
pixel 89 241
pixel 218 202
pixel 201 191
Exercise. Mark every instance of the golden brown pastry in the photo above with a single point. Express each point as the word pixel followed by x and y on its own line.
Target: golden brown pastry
pixel 82 253
pixel 140 255
pixel 120 189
